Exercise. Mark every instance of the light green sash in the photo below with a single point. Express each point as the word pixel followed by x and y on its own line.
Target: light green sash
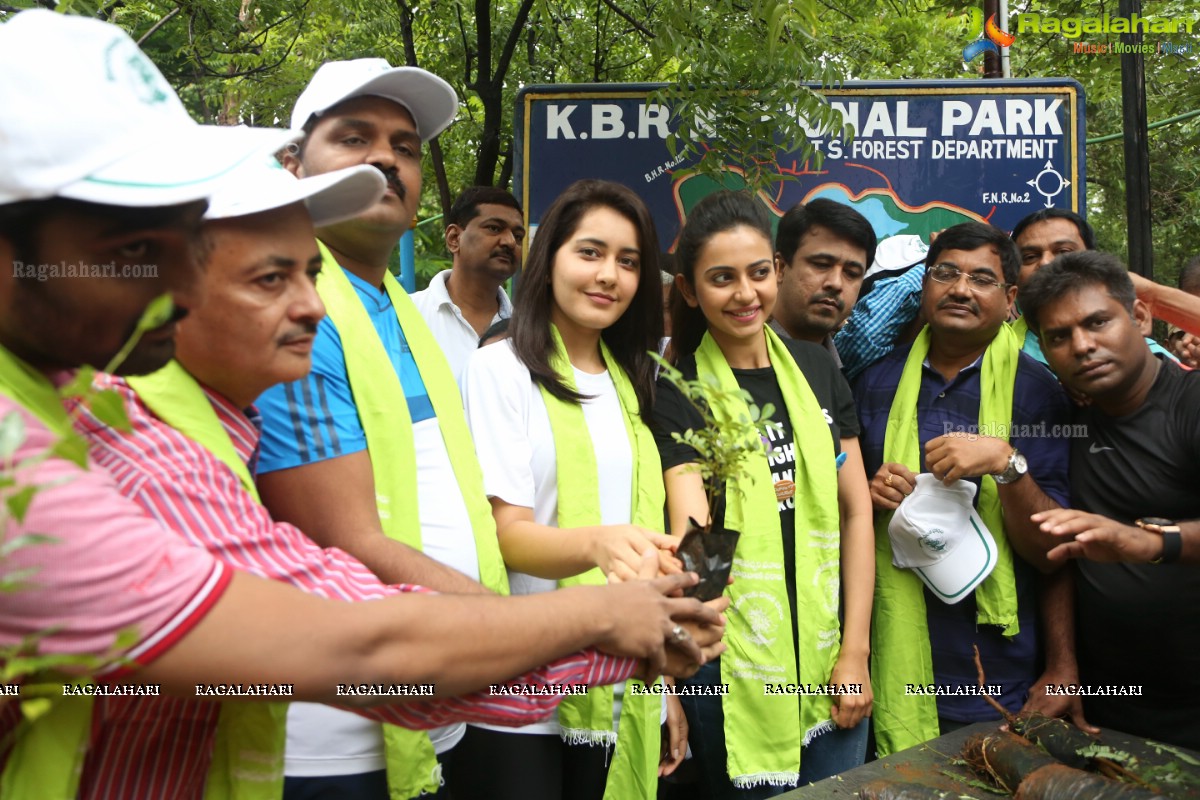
pixel 46 760
pixel 899 632
pixel 47 756
pixel 588 719
pixel 249 746
pixel 763 734
pixel 383 412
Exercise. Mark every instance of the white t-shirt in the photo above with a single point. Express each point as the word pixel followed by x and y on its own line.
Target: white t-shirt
pixel 447 537
pixel 512 435
pixel 451 329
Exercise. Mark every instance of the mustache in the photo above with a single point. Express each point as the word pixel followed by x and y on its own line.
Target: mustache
pixel 178 312
pixel 305 330
pixel 392 177
pixel 836 298
pixel 971 304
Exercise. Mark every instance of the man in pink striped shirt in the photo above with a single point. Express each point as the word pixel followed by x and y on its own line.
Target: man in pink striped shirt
pixel 253 313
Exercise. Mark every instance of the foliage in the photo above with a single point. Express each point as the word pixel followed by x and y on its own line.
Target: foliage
pixel 736 104
pixel 17 661
pixel 724 448
pixel 737 68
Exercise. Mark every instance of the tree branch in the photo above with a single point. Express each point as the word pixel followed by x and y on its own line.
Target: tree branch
pixel 510 44
pixel 637 25
pixel 154 28
pixel 483 41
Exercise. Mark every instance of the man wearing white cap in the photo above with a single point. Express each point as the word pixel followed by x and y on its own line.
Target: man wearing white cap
pixel 109 589
pixel 962 403
pixel 373 446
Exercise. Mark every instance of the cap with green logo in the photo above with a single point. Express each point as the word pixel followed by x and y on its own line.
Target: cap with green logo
pixel 84 114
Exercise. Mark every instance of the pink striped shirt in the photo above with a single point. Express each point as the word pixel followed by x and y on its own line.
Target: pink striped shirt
pixel 151 748
pixel 106 569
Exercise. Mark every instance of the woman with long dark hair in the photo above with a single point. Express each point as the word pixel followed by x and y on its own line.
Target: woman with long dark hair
pixel 559 414
pixel 806 550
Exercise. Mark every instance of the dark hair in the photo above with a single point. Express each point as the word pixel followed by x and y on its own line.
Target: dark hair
pixel 1071 272
pixel 466 205
pixel 497 330
pixel 1189 276
pixel 718 212
pixel 666 263
pixel 841 220
pixel 632 336
pixel 972 236
pixel 1085 231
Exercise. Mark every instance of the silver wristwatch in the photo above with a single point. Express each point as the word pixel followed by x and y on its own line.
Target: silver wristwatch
pixel 1017 466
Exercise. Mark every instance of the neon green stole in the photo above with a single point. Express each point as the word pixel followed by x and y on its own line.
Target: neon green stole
pixel 588 719
pixel 899 631
pixel 763 734
pixel 249 746
pixel 1028 340
pixel 46 759
pixel 1020 328
pixel 383 412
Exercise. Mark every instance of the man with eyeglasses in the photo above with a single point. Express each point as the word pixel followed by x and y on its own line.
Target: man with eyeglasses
pixel 981 410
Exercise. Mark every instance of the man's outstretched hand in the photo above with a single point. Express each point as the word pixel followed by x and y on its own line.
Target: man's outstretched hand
pixel 674 635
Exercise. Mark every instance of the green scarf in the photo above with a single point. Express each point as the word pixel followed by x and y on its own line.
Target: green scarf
pixel 1020 327
pixel 46 760
pixel 899 632
pixel 248 751
pixel 588 719
pixel 383 412
pixel 764 736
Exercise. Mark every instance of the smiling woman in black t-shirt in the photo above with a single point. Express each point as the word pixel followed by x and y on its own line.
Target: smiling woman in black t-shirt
pixel 725 290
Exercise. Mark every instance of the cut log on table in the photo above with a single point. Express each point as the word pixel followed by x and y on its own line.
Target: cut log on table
pixel 1004 758
pixel 1057 737
pixel 1064 783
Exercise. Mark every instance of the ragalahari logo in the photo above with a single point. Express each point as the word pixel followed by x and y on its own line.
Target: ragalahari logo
pixel 987 37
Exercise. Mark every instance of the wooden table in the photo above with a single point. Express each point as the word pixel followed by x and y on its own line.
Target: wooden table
pixel 930 764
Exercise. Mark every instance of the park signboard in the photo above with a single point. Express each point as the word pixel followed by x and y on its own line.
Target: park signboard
pixel 925 155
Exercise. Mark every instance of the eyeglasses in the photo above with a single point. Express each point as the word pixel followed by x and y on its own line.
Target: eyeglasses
pixel 948 273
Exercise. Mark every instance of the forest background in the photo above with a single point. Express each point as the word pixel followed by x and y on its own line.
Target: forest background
pixel 247 60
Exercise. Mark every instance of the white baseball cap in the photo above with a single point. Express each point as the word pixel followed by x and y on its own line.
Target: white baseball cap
pixel 263 184
pixel 84 114
pixel 431 101
pixel 937 533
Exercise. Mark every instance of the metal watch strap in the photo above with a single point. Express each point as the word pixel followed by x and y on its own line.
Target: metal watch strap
pixel 1010 472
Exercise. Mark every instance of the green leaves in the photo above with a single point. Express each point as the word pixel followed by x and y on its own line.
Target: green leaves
pixel 724 447
pixel 12 434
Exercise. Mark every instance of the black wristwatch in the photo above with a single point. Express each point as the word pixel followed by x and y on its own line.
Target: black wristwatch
pixel 1172 537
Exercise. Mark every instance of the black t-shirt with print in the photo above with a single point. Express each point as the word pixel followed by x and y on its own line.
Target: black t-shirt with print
pixel 674 414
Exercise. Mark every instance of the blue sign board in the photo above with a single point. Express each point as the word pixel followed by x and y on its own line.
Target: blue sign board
pixel 925 155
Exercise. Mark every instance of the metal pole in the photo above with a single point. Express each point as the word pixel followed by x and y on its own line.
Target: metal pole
pixel 1005 67
pixel 991 61
pixel 1137 146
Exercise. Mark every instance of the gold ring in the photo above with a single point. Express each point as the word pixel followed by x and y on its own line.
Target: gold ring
pixel 888 480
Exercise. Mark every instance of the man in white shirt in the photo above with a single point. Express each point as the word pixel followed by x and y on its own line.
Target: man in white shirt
pixel 484 234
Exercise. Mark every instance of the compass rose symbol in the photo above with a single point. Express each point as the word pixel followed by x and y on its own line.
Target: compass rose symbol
pixel 1047 188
